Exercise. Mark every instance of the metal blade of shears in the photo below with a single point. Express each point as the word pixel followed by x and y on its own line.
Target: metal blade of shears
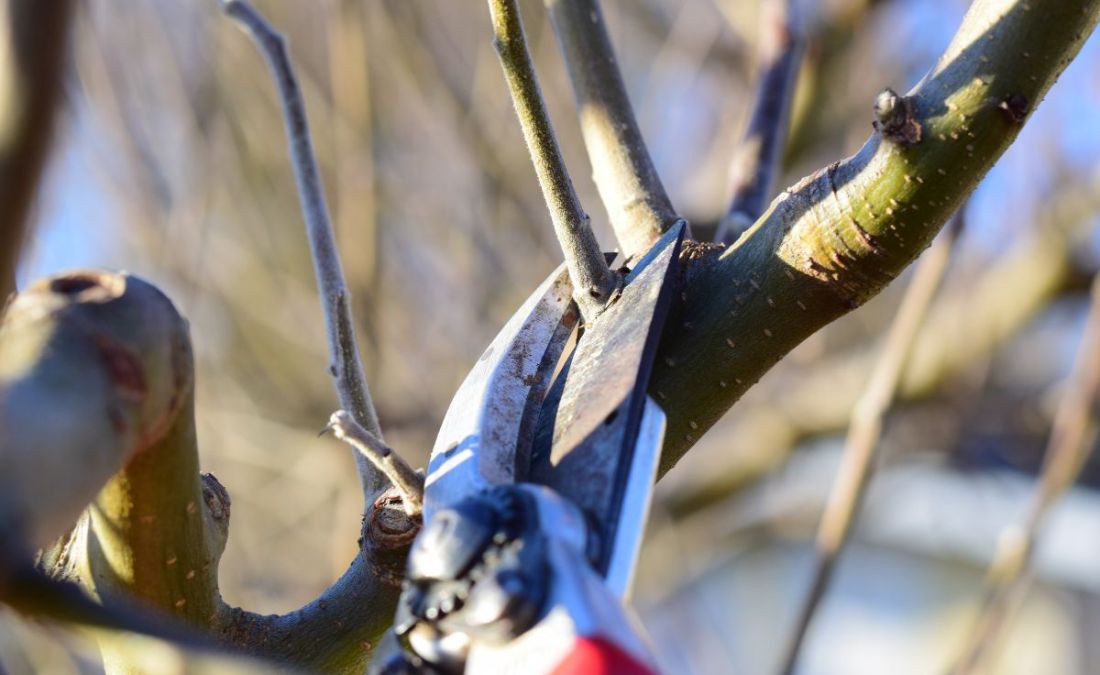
pixel 486 433
pixel 607 434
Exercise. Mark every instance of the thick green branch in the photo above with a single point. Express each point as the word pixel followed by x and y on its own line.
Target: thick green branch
pixel 961 330
pixel 840 236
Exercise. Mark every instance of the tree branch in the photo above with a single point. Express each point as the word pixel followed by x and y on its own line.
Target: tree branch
pixel 628 183
pixel 346 367
pixel 756 160
pixel 91 376
pixel 838 237
pixel 337 632
pixel 593 281
pixel 33 51
pixel 102 364
pixel 1072 438
pixel 407 481
pixel 962 329
pixel 865 432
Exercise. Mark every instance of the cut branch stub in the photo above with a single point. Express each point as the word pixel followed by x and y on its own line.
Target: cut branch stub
pixel 94 368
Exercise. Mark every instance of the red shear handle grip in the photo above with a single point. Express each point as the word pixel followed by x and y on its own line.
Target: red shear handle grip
pixel 593 656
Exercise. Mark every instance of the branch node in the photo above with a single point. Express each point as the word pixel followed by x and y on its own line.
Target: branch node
pixel 407 480
pixel 1015 108
pixel 894 118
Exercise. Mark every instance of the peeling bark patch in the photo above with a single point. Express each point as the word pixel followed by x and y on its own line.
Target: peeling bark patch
pixel 696 256
pixel 692 251
pixel 1014 107
pixel 894 118
pixel 123 367
pixel 216 497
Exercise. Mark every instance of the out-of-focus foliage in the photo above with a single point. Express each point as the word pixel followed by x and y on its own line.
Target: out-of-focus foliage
pixel 172 164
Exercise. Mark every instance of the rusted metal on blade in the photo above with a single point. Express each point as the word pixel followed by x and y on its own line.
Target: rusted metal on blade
pixel 597 419
pixel 486 434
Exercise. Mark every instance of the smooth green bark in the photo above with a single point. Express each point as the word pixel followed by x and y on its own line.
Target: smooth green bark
pixel 839 236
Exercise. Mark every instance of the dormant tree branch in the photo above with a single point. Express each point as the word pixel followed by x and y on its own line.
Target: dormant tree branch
pixel 405 478
pixel 102 363
pixel 865 432
pixel 346 367
pixel 838 237
pixel 1072 438
pixel 756 160
pixel 593 281
pixel 627 180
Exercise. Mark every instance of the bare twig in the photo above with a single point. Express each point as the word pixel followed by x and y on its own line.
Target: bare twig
pixel 1072 437
pixel 593 281
pixel 865 430
pixel 625 176
pixel 345 367
pixel 404 477
pixel 756 159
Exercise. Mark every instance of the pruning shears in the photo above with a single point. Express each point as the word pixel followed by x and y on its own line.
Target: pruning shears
pixel 538 490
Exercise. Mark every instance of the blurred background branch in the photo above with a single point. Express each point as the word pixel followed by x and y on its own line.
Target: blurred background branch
pixel 861 444
pixel 1072 438
pixel 755 164
pixel 33 52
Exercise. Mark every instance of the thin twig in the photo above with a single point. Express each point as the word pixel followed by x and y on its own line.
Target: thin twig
pixel 756 160
pixel 865 430
pixel 593 281
pixel 623 170
pixel 1072 438
pixel 345 367
pixel 404 477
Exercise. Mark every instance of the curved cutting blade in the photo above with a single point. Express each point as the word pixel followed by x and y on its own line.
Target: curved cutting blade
pixel 486 434
pixel 596 421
